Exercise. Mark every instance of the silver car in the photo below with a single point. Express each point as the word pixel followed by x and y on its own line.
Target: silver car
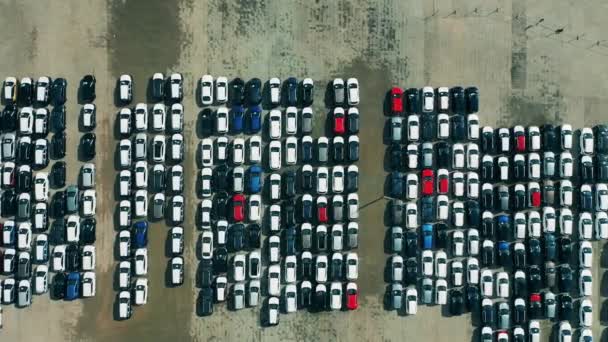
pixel 397 239
pixel 504 316
pixel 427 291
pixel 87 176
pixel 396 296
pixel 396 128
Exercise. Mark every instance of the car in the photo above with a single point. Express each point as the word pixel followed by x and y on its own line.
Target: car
pixel 72 290
pixel 175 91
pixel 396 100
pixel 427 262
pixel 124 183
pixel 353 148
pixel 413 128
pixel 274 155
pixel 352 85
pixel 585 226
pixel 140 261
pixel 237 122
pixel 125 89
pixel 87 144
pixel 124 305
pixel 140 200
pixel 10 87
pixel 472 156
pixel 565 332
pixel 124 244
pixel 585 254
pixel 472 185
pixel 8 290
pixel 140 291
pixel 254 120
pixel 24 298
pixel 411 301
pixel 458 243
pixel 601 225
pixel 221 120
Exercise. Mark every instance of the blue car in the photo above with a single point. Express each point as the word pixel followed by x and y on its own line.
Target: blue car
pixel 141 234
pixel 255 179
pixel 255 120
pixel 72 289
pixel 427 236
pixel 238 119
pixel 504 227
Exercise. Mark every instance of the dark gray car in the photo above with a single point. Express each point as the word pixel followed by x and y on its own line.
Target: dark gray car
pixel 158 206
pixel 306 121
pixel 397 211
pixel 396 239
pixel 23 207
pixel 71 199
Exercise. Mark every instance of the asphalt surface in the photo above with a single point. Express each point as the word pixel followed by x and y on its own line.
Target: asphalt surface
pixel 527 74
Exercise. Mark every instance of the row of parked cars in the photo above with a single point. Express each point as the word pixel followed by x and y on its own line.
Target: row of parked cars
pixel 455 100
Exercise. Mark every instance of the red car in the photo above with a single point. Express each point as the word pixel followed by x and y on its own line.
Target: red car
pixel 428 181
pixel 339 118
pixel 322 210
pixel 238 207
pixel 397 100
pixel 352 294
pixel 535 197
pixel 520 139
pixel 443 181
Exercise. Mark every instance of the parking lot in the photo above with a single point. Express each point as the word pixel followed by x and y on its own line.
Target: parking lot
pixel 527 74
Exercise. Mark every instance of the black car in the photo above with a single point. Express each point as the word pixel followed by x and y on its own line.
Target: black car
pixel 305 300
pixel 320 299
pixel 428 209
pixel 57 175
pixel 237 92
pixel 396 184
pixel 520 287
pixel 88 228
pixel 565 249
pixel 566 307
pixel 58 91
pixel 458 129
pixel 87 143
pixel 236 237
pixel 428 127
pixel 24 180
pixel 220 179
pixel 59 284
pixel 472 214
pixel 550 247
pixel 289 240
pixel 601 167
pixel 206 273
pixel 307 93
pixel 565 278
pixel 306 268
pixel 394 156
pixel 24 267
pixel 288 181
pixel 307 210
pixel 307 180
pixel 206 122
pixel 535 282
pixel 58 145
pixel 586 171
pixel 487 256
pixel 306 150
pixel 411 271
pixel 549 137
pixel 600 133
pixel 504 254
pixel 487 170
pixel 488 230
pixel 8 203
pixel 520 316
pixel 353 149
pixel 442 238
pixel 471 95
pixel 338 152
pixel 412 101
pixel 335 269
pixel 456 302
pixel 320 241
pixel 290 92
pixel 206 301
pixel 254 232
pixel 487 315
pixel 9 118
pixel 519 258
pixel 87 88
pixel 487 199
pixel 586 201
pixel 352 179
pixel 457 100
pixel 519 199
pixel 519 170
pixel 444 157
pixel 24 152
pixel 411 243
pixel 473 294
pixel 158 180
pixel 58 204
pixel 288 209
pixel 488 142
pixel 25 94
pixel 253 89
pixel 72 257
pixel 352 121
pixel 220 260
pixel 58 118
pixel 535 256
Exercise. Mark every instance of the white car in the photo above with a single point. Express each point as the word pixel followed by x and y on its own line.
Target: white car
pixel 255 204
pixel 176 148
pixel 411 301
pixel 411 218
pixel 412 156
pixel 221 231
pixel 586 335
pixel 457 273
pixel 586 141
pixel 534 224
pixel 565 165
pixel 428 99
pixel 26 121
pixel 72 229
pixel 10 89
pixel 89 203
pixel 274 158
pixel 472 185
pixel 141 203
pixel 534 166
pixel 534 138
pixel 504 140
pixel 473 241
pixel 458 156
pixel 502 284
pixel 238 267
pixel 322 180
pixel 601 225
pixel 565 190
pixel 290 296
pixel 274 128
pixel 206 85
pixel 24 236
pixel 290 269
pixel 585 282
pixel 442 207
pixel 221 120
pixel 413 128
pixel 441 264
pixel 585 226
pixel 565 331
pixel 275 218
pixel 337 237
pixel 473 126
pixel 175 86
pixel 487 283
pixel 221 287
pixel 141 174
pixel 124 214
pixel 254 293
pixel 427 263
pixel 458 243
pixel 58 258
pixel 352 202
pixel 255 149
pixel 519 225
pixel 41 275
pixel 41 187
pixel 8 290
pixel 291 120
pixel 352 266
pixel 472 156
pixel 441 292
pixel 565 221
pixel 41 119
pixel 321 266
pixel 141 291
pixel 335 296
pixel 140 260
pixel 124 244
pixel 221 89
pixel 124 149
pixel 291 151
pixel 124 275
pixel 221 149
pixel 275 91
pixel 503 168
pixel 272 314
pixel 88 284
pixel 88 258
pixel 274 246
pixel 586 312
pixel 206 152
pixel 275 183
pixel 352 86
pixel 585 254
pixel 443 102
pixel 274 280
pixel 601 197
pixel 159 117
pixel 124 121
pixel 206 244
pixel 549 220
pixel 41 248
pixel 458 214
pixel 443 126
pixel 337 175
pixel 125 88
pixel 411 186
pixel 238 151
pixel 473 271
pixel 140 147
pixel 141 117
